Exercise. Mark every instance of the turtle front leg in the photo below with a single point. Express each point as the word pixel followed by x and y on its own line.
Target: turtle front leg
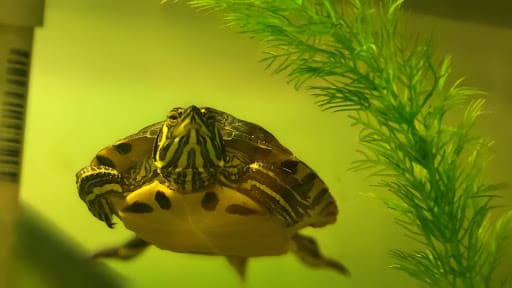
pixel 307 250
pixel 126 251
pixel 95 186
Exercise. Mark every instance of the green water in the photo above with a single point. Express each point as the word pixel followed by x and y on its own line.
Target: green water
pixel 104 69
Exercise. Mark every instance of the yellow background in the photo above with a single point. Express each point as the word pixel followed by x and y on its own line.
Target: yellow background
pixel 102 69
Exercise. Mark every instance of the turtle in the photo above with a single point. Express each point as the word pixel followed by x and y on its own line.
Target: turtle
pixel 205 182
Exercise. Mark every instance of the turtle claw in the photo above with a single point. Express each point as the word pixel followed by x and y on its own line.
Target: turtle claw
pixel 101 207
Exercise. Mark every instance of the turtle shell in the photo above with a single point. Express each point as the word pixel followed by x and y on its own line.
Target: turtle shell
pixel 274 178
pixel 249 141
pixel 127 153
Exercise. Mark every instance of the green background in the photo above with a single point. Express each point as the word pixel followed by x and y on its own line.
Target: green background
pixel 102 69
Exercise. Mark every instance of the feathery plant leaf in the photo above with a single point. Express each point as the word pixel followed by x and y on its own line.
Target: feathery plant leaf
pixel 355 58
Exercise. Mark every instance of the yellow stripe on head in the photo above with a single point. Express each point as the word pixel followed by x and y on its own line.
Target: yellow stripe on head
pixel 190 144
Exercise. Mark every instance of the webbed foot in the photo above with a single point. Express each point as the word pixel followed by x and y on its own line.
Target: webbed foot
pixel 307 250
pixel 126 251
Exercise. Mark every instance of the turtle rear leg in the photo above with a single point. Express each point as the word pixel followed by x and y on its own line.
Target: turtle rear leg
pixel 127 251
pixel 307 250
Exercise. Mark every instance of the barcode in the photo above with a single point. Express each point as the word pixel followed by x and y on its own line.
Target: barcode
pixel 12 114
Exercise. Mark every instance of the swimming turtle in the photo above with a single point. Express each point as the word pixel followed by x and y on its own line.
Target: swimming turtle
pixel 203 181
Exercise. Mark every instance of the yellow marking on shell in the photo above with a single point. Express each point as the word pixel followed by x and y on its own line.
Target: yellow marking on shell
pixel 105 188
pixel 248 184
pixel 318 184
pixel 276 178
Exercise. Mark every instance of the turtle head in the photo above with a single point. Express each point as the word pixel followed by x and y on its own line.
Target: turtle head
pixel 189 149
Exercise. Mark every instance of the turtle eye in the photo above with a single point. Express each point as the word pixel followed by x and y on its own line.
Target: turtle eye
pixel 173 117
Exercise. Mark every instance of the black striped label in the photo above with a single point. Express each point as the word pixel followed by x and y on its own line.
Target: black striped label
pixel 12 113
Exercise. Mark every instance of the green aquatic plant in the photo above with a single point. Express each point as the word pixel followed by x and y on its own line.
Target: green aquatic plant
pixel 355 57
